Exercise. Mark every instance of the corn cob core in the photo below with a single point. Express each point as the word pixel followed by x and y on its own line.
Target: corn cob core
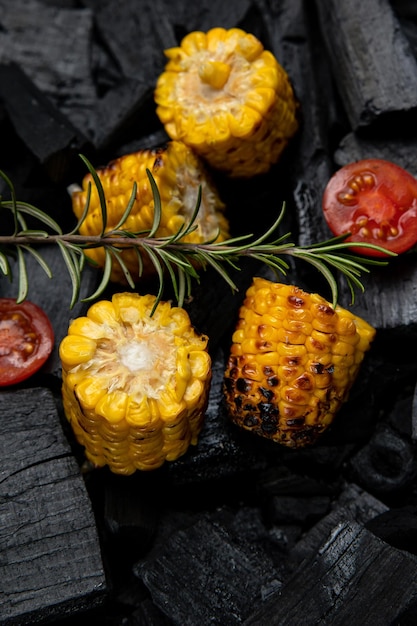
pixel 135 386
pixel 178 173
pixel 292 362
pixel 229 99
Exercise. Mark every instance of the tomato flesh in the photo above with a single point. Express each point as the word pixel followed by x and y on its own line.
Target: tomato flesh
pixel 376 202
pixel 26 340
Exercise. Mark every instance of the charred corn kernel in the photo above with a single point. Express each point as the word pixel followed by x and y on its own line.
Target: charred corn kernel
pixel 179 174
pixel 137 394
pixel 229 99
pixel 288 385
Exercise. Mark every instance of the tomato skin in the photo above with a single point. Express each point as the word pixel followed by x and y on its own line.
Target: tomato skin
pixel 26 340
pixel 376 201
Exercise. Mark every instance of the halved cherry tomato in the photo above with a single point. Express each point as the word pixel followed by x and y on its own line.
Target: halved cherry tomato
pixel 26 340
pixel 376 201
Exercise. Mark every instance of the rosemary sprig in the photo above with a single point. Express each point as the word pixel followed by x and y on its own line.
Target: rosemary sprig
pixel 171 256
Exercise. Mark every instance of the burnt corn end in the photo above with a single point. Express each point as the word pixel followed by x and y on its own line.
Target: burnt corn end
pixel 292 362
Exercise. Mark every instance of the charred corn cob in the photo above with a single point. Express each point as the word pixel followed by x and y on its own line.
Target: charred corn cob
pixel 292 362
pixel 178 173
pixel 229 99
pixel 134 386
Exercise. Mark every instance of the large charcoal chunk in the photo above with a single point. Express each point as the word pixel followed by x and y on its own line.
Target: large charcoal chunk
pixel 373 63
pixel 52 46
pixel 354 574
pixel 49 549
pixel 44 129
pixel 136 35
pixel 202 575
pixel 353 505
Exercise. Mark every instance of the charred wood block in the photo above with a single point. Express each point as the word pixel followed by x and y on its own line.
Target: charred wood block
pixel 296 509
pixel 398 527
pixel 373 64
pixel 387 464
pixel 50 555
pixel 135 35
pixel 399 150
pixel 201 575
pixel 353 505
pixel 45 130
pixel 354 574
pixel 52 45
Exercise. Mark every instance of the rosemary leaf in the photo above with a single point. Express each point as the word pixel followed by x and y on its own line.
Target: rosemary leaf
pixel 100 191
pixel 23 276
pixel 157 205
pixel 41 261
pixel 116 254
pixel 5 265
pixel 104 279
pixel 73 271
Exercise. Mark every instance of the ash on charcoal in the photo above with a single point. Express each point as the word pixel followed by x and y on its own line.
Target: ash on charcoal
pixel 217 587
pixel 377 83
pixel 50 556
pixel 336 575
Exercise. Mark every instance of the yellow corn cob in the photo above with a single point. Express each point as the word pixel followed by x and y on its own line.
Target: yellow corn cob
pixel 292 362
pixel 178 173
pixel 135 386
pixel 229 99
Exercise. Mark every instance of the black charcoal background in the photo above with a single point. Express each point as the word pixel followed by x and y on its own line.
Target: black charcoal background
pixel 239 530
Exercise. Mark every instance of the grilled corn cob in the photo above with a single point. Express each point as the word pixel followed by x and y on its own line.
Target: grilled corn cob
pixel 178 173
pixel 135 386
pixel 229 99
pixel 292 362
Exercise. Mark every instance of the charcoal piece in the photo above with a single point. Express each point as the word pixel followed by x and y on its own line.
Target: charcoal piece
pixel 398 527
pixel 47 133
pixel 52 46
pixel 50 557
pixel 399 150
pixel 201 575
pixel 53 296
pixel 282 481
pixel 377 82
pixel 130 516
pixel 353 505
pixel 135 35
pixel 124 114
pixel 386 464
pixel 296 509
pixel 208 14
pixel 353 574
pixel 414 416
